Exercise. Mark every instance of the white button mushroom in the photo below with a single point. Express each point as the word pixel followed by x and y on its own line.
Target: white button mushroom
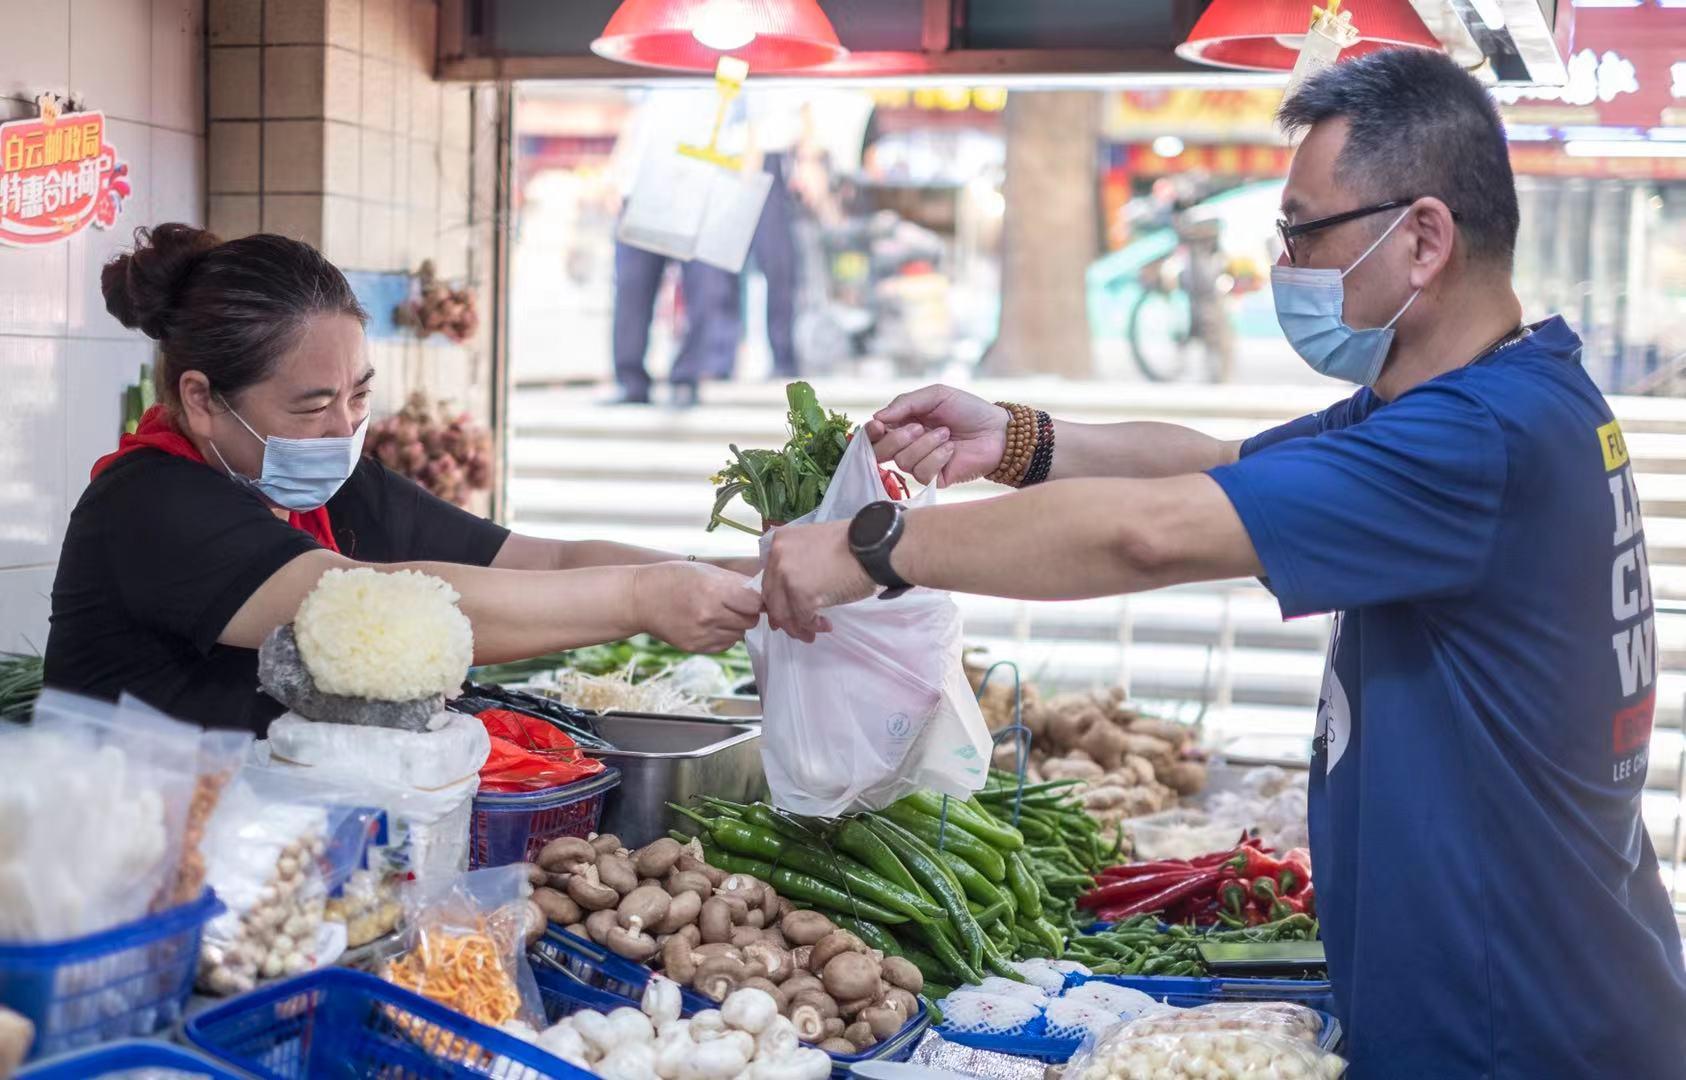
pixel 749 1010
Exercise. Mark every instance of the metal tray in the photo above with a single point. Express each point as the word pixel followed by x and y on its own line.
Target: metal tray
pixel 663 759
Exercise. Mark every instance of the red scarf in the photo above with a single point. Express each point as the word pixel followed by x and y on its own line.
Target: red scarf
pixel 157 432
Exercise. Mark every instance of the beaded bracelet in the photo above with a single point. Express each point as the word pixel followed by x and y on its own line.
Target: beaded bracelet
pixel 1020 444
pixel 1042 458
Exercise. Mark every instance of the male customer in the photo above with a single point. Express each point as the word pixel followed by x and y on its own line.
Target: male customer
pixel 1490 901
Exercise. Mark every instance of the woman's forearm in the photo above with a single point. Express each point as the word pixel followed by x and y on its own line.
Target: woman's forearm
pixel 520 613
pixel 516 613
pixel 521 552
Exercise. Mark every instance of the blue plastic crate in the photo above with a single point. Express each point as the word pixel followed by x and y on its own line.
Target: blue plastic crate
pixel 129 1054
pixel 590 964
pixel 335 1023
pixel 1312 993
pixel 1034 1042
pixel 563 995
pixel 515 827
pixel 129 981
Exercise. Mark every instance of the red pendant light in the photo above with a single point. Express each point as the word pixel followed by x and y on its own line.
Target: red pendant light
pixel 692 35
pixel 1265 35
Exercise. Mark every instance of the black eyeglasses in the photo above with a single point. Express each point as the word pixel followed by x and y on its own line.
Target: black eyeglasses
pixel 1289 233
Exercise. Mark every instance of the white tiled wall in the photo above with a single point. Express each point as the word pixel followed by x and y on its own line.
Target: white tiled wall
pixel 63 360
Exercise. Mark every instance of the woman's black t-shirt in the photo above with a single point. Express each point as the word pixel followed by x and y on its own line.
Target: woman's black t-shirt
pixel 161 552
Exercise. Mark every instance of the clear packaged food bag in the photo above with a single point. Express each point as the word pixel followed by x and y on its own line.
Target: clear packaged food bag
pixel 1223 1041
pixel 1203 1055
pixel 877 708
pixel 274 850
pixel 465 946
pixel 94 800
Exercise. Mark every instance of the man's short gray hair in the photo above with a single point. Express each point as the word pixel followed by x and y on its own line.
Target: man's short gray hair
pixel 1418 125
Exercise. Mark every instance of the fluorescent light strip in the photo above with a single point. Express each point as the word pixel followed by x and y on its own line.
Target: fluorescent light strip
pixel 1619 148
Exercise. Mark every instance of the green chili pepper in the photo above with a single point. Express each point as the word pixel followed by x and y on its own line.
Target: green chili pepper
pixel 1023 884
pixel 924 865
pixel 976 886
pixel 800 887
pixel 870 932
pixel 953 838
pixel 950 957
pixel 854 838
pixel 856 880
pixel 974 820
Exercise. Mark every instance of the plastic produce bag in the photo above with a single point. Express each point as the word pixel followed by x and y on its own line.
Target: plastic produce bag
pixel 420 759
pixel 529 754
pixel 879 707
pixel 465 946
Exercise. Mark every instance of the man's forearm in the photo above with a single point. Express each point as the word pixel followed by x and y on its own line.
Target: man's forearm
pixel 1139 449
pixel 1078 539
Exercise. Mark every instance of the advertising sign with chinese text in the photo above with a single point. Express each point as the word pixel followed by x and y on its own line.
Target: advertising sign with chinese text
pixel 58 175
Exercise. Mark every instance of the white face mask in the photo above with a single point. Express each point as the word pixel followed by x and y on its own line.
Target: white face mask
pixel 1309 305
pixel 300 474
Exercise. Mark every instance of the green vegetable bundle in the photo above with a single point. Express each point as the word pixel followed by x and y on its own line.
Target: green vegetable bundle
pixel 948 884
pixel 1140 945
pixel 20 684
pixel 643 656
pixel 783 485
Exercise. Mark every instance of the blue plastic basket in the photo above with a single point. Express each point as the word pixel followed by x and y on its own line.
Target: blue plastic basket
pixel 515 827
pixel 1034 1042
pixel 563 995
pixel 1312 993
pixel 589 964
pixel 120 1057
pixel 336 1023
pixel 129 981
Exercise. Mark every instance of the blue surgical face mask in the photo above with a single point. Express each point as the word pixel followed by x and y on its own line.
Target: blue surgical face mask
pixel 301 474
pixel 1309 307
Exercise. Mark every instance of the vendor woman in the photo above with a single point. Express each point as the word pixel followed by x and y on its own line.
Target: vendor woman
pixel 205 529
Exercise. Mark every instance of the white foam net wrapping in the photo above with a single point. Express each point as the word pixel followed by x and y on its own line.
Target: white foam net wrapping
pixel 992 1014
pixel 1124 1002
pixel 1068 1019
pixel 1019 991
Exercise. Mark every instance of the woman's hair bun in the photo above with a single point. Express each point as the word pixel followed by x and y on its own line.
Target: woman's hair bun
pixel 141 286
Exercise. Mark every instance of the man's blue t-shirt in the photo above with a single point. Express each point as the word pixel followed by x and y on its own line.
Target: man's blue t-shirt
pixel 1490 901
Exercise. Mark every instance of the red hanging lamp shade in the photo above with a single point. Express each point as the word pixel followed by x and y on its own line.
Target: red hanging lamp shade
pixel 692 35
pixel 1265 35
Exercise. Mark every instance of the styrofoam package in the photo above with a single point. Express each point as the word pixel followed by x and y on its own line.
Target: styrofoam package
pixel 428 760
pixel 969 1010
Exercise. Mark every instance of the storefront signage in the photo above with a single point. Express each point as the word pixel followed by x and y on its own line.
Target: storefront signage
pixel 58 175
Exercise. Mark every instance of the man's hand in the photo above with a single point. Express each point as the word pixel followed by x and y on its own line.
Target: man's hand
pixel 694 606
pixel 809 568
pixel 940 434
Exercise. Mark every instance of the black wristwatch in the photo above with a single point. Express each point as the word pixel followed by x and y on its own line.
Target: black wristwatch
pixel 873 534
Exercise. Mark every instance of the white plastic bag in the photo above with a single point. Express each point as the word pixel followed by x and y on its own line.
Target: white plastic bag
pixel 879 707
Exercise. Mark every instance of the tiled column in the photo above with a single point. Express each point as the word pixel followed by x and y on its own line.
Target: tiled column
pixel 326 124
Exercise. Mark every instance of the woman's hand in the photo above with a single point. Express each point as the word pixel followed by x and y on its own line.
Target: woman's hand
pixel 694 606
pixel 942 434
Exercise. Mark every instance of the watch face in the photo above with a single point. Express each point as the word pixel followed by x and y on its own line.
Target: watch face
pixel 871 525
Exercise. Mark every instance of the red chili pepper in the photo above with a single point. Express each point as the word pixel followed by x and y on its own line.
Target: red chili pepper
pixel 1190 885
pixel 1308 900
pixel 1286 906
pixel 1255 917
pixel 1252 863
pixel 1132 870
pixel 1232 894
pixel 1120 892
pixel 1295 873
pixel 1217 857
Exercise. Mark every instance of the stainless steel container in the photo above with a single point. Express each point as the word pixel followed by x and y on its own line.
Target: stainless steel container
pixel 664 760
